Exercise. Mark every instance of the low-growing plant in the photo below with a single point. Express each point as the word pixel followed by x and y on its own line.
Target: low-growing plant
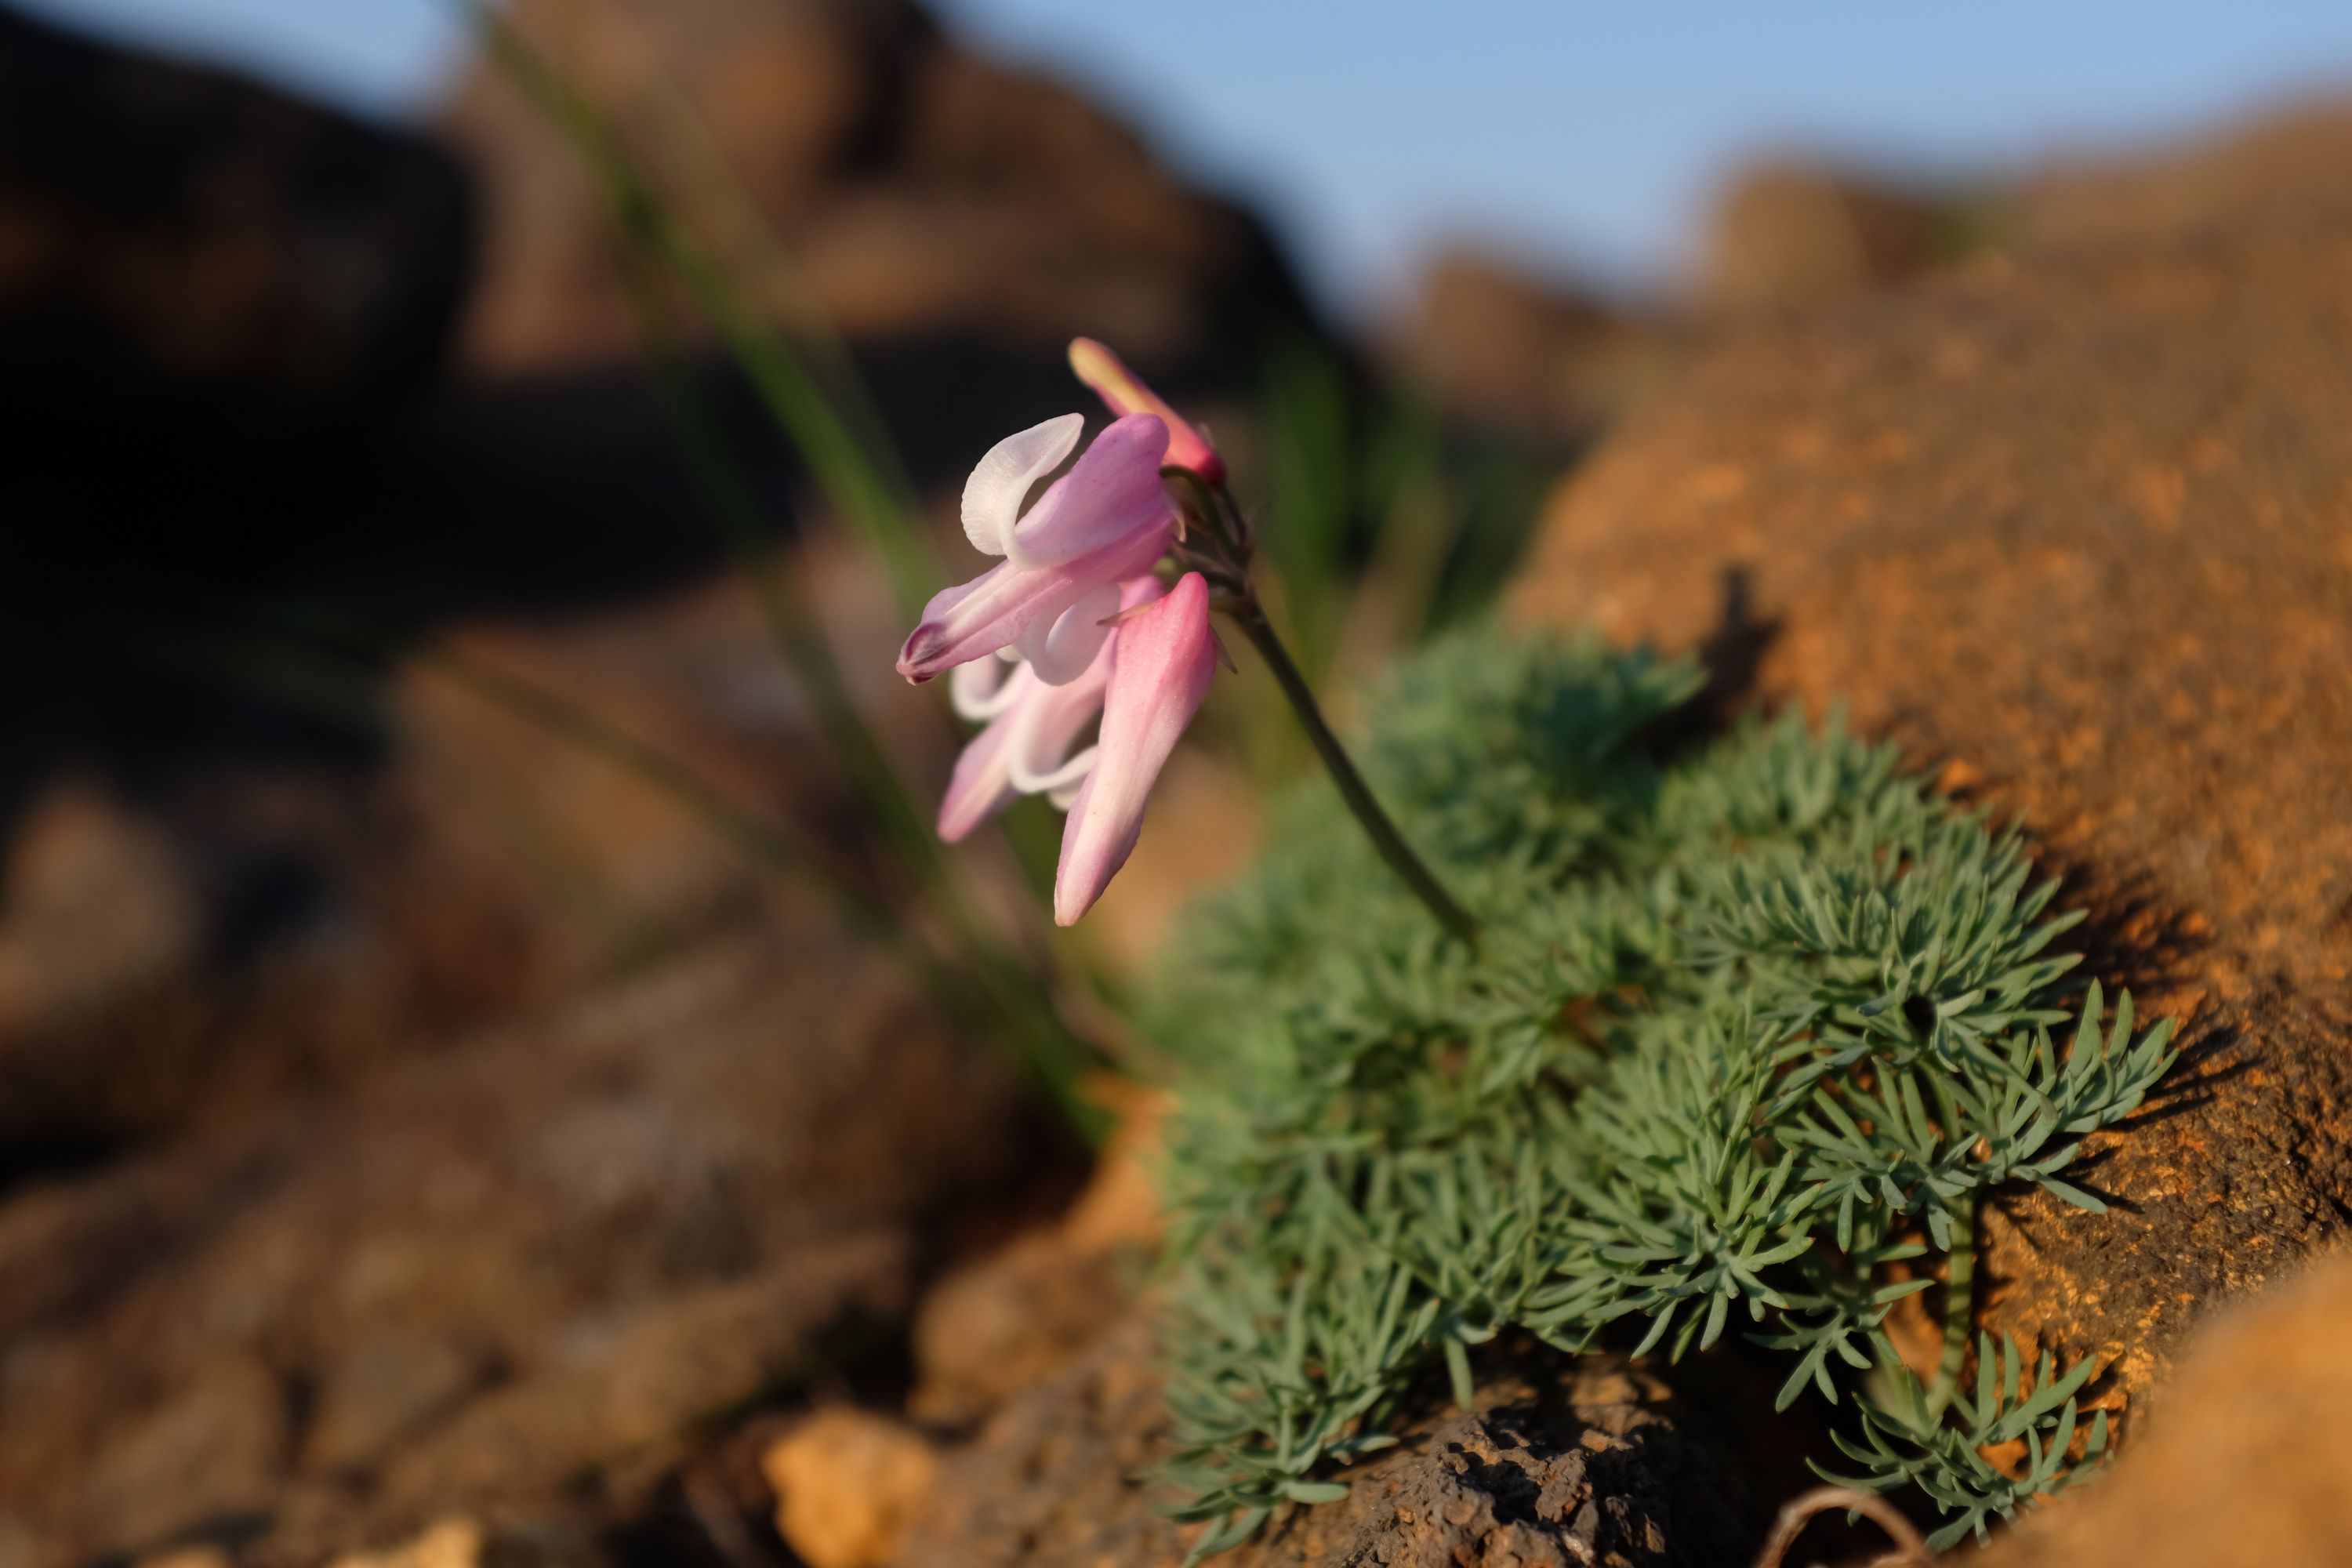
pixel 1753 1027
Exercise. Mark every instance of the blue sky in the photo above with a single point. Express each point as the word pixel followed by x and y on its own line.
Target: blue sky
pixel 1586 137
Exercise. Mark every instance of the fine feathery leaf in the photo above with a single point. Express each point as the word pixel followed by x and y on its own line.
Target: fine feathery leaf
pixel 1751 1028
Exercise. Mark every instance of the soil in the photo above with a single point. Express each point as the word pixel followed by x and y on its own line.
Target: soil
pixel 1583 1463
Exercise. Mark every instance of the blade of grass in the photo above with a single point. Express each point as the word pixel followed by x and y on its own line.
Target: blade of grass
pixel 1416 532
pixel 857 486
pixel 1300 574
pixel 751 248
pixel 848 451
pixel 317 653
pixel 800 635
pixel 1310 485
pixel 1007 994
pixel 792 622
pixel 1033 834
pixel 1503 490
pixel 829 418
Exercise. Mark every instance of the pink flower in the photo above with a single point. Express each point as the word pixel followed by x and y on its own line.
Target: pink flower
pixel 1124 392
pixel 1147 681
pixel 1026 747
pixel 1106 521
pixel 1070 624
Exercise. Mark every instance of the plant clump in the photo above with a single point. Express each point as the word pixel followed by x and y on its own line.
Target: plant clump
pixel 1755 1024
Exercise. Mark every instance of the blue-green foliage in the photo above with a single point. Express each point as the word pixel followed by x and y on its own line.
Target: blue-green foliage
pixel 1750 1030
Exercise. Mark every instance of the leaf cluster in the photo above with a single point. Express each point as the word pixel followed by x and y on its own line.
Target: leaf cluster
pixel 1755 1026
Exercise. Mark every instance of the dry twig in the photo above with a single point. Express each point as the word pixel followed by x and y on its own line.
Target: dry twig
pixel 1910 1546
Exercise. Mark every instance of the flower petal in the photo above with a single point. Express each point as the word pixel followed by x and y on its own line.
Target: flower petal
pixel 984 688
pixel 1160 664
pixel 1124 392
pixel 1039 758
pixel 994 609
pixel 1001 479
pixel 1053 716
pixel 1061 649
pixel 982 785
pixel 1113 489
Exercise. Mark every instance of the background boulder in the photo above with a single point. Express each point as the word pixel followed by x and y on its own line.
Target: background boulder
pixel 858 169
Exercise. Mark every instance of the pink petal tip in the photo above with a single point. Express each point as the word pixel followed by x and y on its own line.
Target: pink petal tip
pixel 1124 392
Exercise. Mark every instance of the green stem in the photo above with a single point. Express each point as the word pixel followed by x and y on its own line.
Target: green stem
pixel 1959 1304
pixel 792 620
pixel 1251 618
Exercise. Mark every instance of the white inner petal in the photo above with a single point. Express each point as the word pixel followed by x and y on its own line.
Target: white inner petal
pixel 1059 652
pixel 984 688
pixel 1033 775
pixel 1000 481
pixel 1064 779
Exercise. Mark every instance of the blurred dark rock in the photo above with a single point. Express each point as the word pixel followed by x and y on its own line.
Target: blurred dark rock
pixel 200 277
pixel 914 188
pixel 2078 529
pixel 243 930
pixel 510 1278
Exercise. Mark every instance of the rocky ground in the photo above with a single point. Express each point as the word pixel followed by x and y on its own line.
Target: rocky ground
pixel 423 1147
pixel 525 1271
pixel 1586 1463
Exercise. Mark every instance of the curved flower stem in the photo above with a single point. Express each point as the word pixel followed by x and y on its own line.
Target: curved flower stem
pixel 1959 1301
pixel 1222 553
pixel 1250 617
